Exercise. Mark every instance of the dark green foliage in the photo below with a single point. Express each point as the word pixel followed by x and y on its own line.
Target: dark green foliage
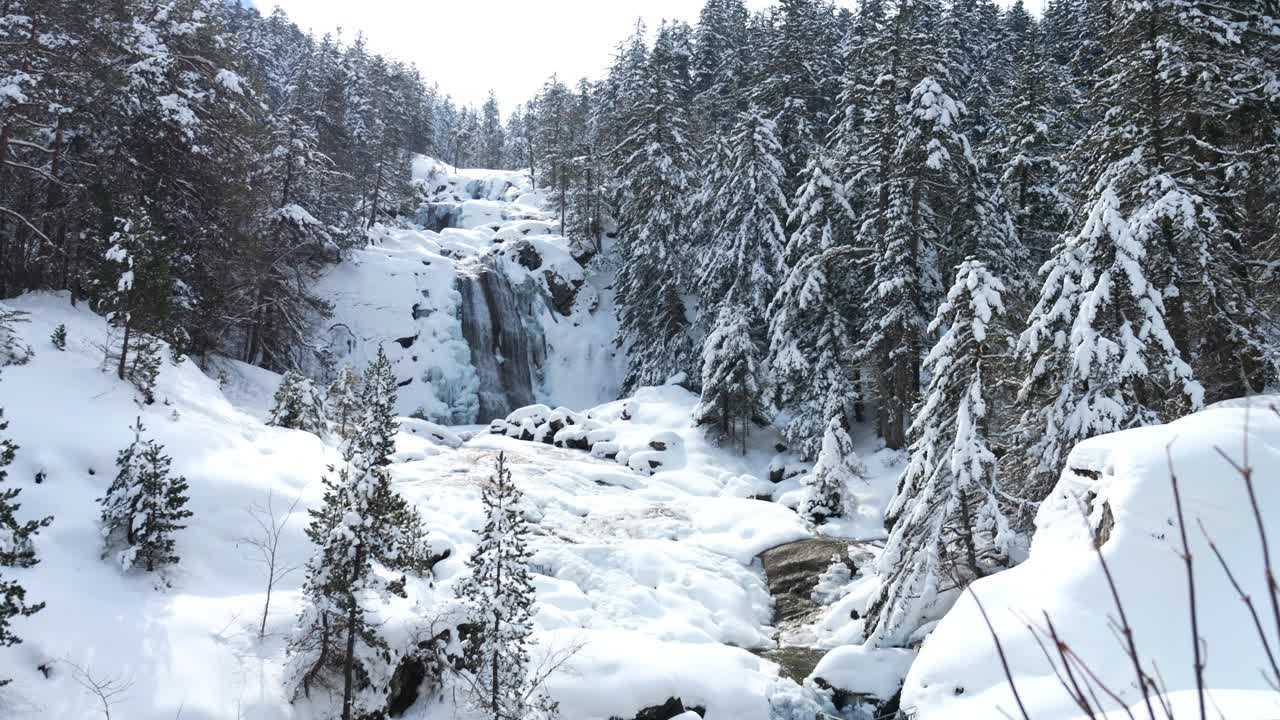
pixel 17 549
pixel 59 337
pixel 144 506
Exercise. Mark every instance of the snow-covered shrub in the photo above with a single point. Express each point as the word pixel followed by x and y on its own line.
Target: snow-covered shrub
pixel 833 583
pixel 827 487
pixel 12 350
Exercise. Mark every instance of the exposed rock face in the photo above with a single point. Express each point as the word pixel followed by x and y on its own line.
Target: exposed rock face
pixel 792 572
pixel 508 349
pixel 672 708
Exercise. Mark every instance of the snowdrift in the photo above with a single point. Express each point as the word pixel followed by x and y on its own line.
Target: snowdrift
pixel 1117 488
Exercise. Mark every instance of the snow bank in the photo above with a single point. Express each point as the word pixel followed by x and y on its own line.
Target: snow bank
pixel 1122 482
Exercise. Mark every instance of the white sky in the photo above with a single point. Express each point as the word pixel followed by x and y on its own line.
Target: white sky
pixel 511 46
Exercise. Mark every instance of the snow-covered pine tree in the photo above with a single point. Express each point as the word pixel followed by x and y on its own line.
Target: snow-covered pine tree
pixel 342 402
pixel 827 487
pixel 813 317
pixel 946 525
pixel 492 138
pixel 499 592
pixel 363 525
pixel 59 337
pixel 654 221
pixel 335 644
pixel 732 382
pixel 1031 139
pixel 718 67
pixel 289 243
pixel 792 81
pixel 12 350
pixel 1145 305
pixel 137 290
pixel 144 506
pixel 297 405
pixel 742 264
pixel 375 441
pixel 16 548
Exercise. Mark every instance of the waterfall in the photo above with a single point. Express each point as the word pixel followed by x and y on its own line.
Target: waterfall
pixel 500 322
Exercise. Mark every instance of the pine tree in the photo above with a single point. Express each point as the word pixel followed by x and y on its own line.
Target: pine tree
pixel 144 506
pixel 59 337
pixel 653 222
pixel 499 591
pixel 732 392
pixel 813 317
pixel 742 264
pixel 1146 305
pixel 138 291
pixel 12 350
pixel 946 525
pixel 16 550
pixel 375 441
pixel 297 405
pixel 336 645
pixel 838 465
pixel 492 140
pixel 343 402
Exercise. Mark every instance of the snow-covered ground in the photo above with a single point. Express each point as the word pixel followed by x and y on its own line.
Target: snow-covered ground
pixel 1118 488
pixel 654 576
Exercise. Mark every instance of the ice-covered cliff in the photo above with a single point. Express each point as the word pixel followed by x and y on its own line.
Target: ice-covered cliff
pixel 480 303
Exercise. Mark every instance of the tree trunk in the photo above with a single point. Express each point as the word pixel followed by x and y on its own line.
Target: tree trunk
pixel 349 662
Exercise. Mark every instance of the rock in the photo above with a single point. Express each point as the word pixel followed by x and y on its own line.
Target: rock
pixel 605 450
pixel 672 709
pixel 563 292
pixel 868 677
pixel 792 571
pixel 796 663
pixel 527 255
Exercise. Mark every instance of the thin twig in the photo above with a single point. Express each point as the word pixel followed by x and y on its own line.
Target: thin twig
pixel 1004 661
pixel 1197 659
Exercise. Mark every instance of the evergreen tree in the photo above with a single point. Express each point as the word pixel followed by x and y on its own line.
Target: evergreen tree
pixel 813 317
pixel 492 140
pixel 946 526
pixel 138 290
pixel 16 549
pixel 827 486
pixel 144 506
pixel 653 222
pixel 12 350
pixel 742 264
pixel 499 591
pixel 375 441
pixel 363 531
pixel 336 644
pixel 732 382
pixel 343 402
pixel 297 405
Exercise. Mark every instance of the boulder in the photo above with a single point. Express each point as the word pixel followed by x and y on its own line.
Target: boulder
pixel 792 571
pixel 672 709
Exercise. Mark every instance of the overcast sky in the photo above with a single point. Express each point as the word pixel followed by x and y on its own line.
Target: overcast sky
pixel 511 46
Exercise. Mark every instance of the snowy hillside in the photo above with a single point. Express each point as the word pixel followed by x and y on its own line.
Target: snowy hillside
pixel 654 576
